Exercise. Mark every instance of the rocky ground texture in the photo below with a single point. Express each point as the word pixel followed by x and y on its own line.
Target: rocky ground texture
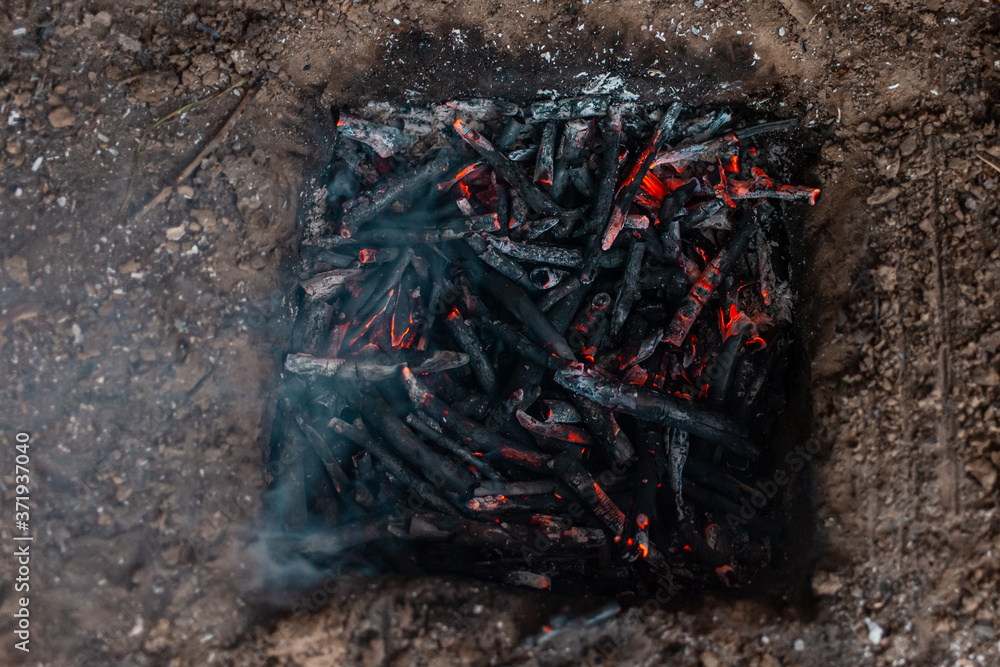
pixel 141 352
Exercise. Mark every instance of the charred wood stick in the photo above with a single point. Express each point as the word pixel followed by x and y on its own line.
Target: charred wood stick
pixel 518 303
pixel 532 229
pixel 546 154
pixel 601 422
pixel 476 436
pixel 318 315
pixel 524 384
pixel 513 503
pixel 393 464
pixel 643 349
pixel 527 312
pixel 329 284
pixel 500 262
pixel 674 202
pixel 560 412
pixel 378 255
pixel 375 368
pixel 698 214
pixel 653 406
pixel 623 201
pixel 545 277
pixel 721 373
pixel 341 483
pixel 636 221
pixel 523 154
pixel 582 180
pixel 573 141
pixel 474 405
pixel 553 296
pixel 432 431
pixel 511 537
pixel 373 312
pixel 482 105
pixel 520 344
pixel 629 290
pixel 760 187
pixel 411 237
pixel 710 279
pixel 721 148
pixel 488 222
pixel 502 488
pixel 502 202
pixel 564 432
pixel 508 170
pixel 518 210
pixel 558 256
pixel 436 272
pixel 377 284
pixel 527 579
pixel 377 414
pixel 571 471
pixel 383 139
pixel 324 256
pixel 584 106
pixel 377 200
pixel 467 339
pixel 677 446
pixel 511 131
pixel 469 169
pixel 536 253
pixel 611 133
pixel 750 190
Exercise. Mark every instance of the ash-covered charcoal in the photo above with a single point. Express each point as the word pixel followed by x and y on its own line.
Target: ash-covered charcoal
pixel 542 349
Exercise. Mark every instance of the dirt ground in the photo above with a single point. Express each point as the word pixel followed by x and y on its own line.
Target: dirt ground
pixel 140 353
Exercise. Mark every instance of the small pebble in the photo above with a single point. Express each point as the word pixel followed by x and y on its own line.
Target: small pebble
pixel 18 32
pixel 781 32
pixel 62 117
pixel 38 163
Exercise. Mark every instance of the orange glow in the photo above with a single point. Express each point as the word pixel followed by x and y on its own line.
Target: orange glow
pixel 761 177
pixel 644 550
pixel 368 255
pixel 404 338
pixel 652 186
pixel 642 521
pixel 687 548
pixel 465 172
pixel 730 326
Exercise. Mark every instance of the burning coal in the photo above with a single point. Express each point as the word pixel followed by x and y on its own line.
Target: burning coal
pixel 538 348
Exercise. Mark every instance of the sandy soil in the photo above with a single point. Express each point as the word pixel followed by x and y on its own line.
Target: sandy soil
pixel 141 353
